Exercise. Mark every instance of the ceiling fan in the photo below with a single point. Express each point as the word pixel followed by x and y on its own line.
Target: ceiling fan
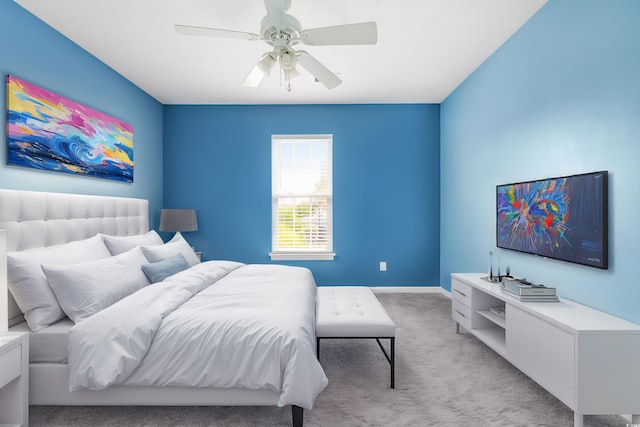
pixel 283 32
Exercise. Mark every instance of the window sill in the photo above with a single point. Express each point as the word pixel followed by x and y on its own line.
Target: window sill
pixel 302 256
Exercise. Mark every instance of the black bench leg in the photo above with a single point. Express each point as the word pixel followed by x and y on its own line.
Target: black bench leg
pixel 391 357
pixel 393 363
pixel 297 414
pixel 318 348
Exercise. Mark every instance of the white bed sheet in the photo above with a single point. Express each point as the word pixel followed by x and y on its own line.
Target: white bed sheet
pixel 48 344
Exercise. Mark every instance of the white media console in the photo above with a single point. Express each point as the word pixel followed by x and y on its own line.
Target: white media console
pixel 588 359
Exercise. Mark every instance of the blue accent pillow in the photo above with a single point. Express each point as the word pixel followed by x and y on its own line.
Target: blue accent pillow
pixel 158 271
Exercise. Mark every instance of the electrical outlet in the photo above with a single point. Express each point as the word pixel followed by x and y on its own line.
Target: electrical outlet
pixel 383 265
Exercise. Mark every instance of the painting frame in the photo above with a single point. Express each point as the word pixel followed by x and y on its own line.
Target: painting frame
pixel 48 131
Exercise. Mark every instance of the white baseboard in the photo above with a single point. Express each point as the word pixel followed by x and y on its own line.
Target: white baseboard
pixel 409 289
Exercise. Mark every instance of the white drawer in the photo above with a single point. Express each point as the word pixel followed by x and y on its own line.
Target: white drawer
pixel 461 292
pixel 461 314
pixel 10 365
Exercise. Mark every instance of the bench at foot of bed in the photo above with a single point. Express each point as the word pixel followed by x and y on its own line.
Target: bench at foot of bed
pixel 354 312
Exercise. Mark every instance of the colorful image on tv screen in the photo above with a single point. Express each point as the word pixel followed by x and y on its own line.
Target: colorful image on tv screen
pixel 563 218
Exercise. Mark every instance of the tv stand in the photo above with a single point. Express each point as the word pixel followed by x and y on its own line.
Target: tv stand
pixel 586 358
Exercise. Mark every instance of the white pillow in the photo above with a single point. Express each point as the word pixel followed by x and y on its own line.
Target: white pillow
pixel 28 283
pixel 121 244
pixel 86 288
pixel 177 245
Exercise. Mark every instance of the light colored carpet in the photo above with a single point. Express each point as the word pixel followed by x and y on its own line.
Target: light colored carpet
pixel 442 379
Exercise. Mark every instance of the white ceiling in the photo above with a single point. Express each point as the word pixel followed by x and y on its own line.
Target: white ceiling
pixel 425 48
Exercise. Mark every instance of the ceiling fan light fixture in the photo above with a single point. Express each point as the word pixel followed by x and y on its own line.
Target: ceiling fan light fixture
pixel 293 73
pixel 288 59
pixel 266 63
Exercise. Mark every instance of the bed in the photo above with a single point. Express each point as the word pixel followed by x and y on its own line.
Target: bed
pixel 88 348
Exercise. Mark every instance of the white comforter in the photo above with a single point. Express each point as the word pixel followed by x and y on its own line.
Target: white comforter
pixel 218 324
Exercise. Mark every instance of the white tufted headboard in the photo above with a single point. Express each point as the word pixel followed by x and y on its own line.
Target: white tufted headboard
pixel 35 220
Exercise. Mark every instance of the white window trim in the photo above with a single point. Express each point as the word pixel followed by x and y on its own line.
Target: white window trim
pixel 302 256
pixel 305 254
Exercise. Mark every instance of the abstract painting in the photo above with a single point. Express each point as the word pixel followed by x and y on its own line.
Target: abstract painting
pixel 562 218
pixel 50 132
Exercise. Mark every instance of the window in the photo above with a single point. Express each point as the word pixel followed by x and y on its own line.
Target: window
pixel 302 195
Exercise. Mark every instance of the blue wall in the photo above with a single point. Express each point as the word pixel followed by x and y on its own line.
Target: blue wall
pixel 562 96
pixel 217 159
pixel 33 51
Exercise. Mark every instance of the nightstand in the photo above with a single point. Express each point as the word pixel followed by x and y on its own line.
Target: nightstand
pixel 14 379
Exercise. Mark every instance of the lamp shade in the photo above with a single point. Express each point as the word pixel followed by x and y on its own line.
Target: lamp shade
pixel 178 220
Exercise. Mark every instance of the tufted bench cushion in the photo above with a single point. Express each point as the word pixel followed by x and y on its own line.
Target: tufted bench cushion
pixel 353 312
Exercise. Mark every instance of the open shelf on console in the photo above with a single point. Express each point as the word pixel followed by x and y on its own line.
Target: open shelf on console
pixel 493 337
pixel 493 317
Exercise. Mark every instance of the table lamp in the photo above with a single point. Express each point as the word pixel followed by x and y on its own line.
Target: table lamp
pixel 178 220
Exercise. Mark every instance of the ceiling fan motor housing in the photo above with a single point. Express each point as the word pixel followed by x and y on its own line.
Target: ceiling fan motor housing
pixel 288 32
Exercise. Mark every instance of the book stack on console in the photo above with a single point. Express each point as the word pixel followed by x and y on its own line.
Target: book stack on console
pixel 528 292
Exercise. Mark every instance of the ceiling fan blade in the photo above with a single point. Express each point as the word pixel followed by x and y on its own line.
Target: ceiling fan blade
pixel 254 77
pixel 319 71
pixel 215 32
pixel 349 34
pixel 260 70
pixel 276 10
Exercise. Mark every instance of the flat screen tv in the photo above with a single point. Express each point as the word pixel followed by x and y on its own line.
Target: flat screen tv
pixel 563 218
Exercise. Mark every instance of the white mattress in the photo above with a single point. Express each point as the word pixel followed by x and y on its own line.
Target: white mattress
pixel 48 344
